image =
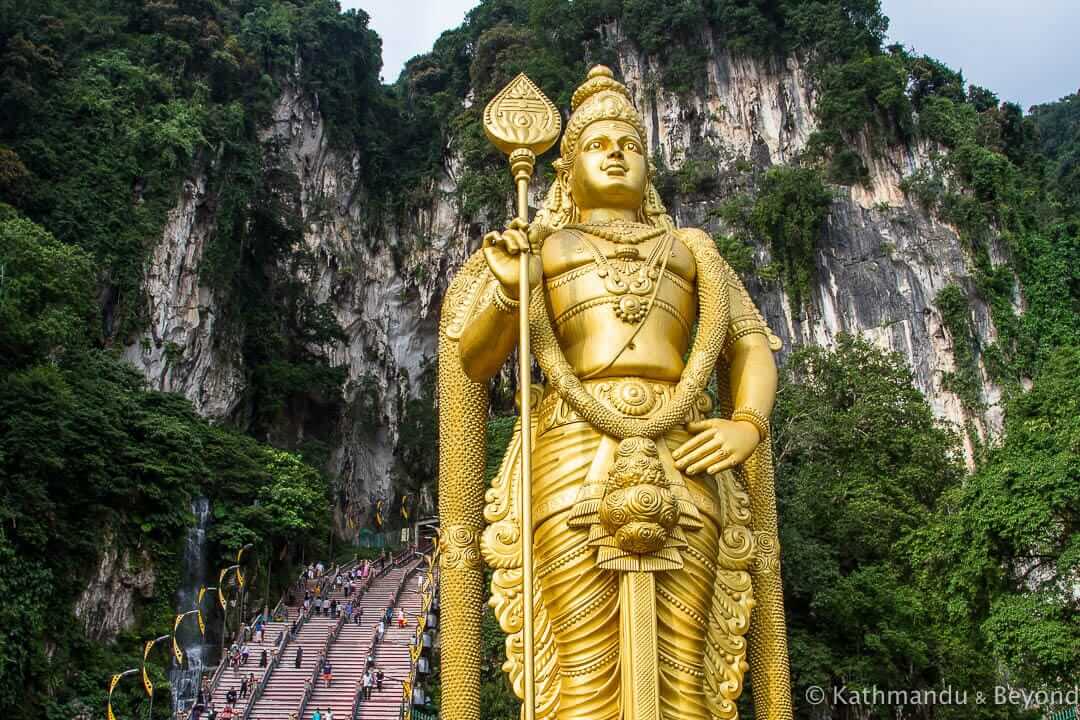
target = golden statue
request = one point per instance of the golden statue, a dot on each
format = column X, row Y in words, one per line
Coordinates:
column 654, row 553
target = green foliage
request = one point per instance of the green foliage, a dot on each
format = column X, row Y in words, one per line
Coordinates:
column 738, row 254
column 869, row 92
column 1059, row 136
column 697, row 175
column 1005, row 548
column 91, row 458
column 654, row 25
column 87, row 453
column 992, row 186
column 862, row 468
column 106, row 109
column 497, row 699
column 45, row 293
column 418, row 434
column 499, row 432
column 789, row 213
column 110, row 105
column 290, row 504
column 964, row 380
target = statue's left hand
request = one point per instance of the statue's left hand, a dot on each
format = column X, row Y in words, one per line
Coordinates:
column 717, row 445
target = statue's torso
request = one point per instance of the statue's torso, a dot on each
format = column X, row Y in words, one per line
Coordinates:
column 583, row 302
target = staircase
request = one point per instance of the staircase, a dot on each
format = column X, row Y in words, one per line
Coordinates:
column 285, row 688
column 392, row 654
column 349, row 652
column 231, row 679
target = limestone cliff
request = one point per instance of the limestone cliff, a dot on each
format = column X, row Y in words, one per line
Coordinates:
column 879, row 265
column 883, row 259
column 107, row 606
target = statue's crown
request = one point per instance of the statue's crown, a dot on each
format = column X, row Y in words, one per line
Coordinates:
column 600, row 97
column 599, row 79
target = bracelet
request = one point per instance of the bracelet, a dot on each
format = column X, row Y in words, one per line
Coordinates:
column 502, row 302
column 755, row 418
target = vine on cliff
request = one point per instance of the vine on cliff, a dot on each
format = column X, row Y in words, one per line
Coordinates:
column 787, row 214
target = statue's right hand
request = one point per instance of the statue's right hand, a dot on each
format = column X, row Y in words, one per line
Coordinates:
column 501, row 251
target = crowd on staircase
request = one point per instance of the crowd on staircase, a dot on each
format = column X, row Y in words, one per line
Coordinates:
column 336, row 648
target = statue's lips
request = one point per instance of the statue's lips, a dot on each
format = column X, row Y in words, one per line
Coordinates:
column 616, row 171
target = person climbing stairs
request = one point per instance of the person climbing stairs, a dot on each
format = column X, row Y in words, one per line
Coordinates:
column 392, row 654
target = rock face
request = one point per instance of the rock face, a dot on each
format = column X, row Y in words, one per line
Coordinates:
column 384, row 283
column 882, row 260
column 178, row 351
column 107, row 605
column 880, row 264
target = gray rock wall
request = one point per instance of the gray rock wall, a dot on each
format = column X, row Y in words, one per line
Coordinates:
column 107, row 605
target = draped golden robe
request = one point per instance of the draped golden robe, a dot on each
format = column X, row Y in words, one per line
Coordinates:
column 726, row 559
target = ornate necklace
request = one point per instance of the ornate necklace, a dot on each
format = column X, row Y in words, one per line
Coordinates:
column 636, row 292
column 621, row 232
column 712, row 329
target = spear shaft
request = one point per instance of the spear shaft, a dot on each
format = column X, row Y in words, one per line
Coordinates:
column 523, row 123
column 525, row 502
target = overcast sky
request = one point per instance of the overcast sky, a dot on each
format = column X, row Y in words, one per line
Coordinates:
column 1024, row 51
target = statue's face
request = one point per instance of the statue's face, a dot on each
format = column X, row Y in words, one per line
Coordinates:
column 609, row 170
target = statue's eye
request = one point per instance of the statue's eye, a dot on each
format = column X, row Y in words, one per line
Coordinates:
column 631, row 146
column 595, row 145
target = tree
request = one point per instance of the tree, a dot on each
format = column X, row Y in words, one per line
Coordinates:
column 1005, row 546
column 46, row 291
column 789, row 213
column 862, row 466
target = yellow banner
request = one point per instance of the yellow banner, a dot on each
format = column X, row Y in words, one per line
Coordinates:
column 112, row 686
column 239, row 577
column 176, row 646
column 202, row 592
column 146, row 677
column 202, row 625
column 221, row 588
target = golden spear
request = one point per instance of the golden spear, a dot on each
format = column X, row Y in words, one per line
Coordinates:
column 523, row 123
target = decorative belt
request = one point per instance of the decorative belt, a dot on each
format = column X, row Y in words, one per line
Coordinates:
column 633, row 397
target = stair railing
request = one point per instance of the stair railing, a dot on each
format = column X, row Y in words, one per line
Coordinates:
column 287, row 636
column 406, row 712
column 375, row 639
column 311, row 682
column 220, row 670
column 275, row 660
column 281, row 644
column 359, row 695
